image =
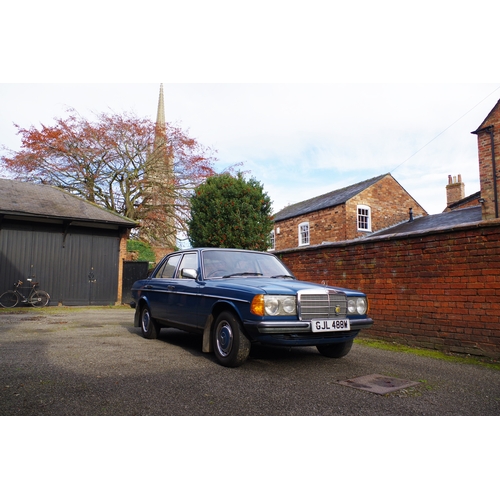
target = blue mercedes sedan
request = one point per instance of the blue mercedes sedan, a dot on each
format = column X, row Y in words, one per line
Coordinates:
column 236, row 298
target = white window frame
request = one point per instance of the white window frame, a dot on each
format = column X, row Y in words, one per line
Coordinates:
column 272, row 240
column 364, row 220
column 304, row 234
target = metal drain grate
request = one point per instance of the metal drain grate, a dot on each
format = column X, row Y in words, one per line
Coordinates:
column 378, row 384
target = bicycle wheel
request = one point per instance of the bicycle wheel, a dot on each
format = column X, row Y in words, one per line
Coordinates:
column 39, row 299
column 9, row 299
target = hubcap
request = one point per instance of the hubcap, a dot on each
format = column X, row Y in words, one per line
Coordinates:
column 224, row 338
column 145, row 320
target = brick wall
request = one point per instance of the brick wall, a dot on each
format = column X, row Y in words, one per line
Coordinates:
column 438, row 290
column 389, row 204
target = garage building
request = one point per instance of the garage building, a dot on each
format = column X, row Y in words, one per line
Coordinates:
column 73, row 248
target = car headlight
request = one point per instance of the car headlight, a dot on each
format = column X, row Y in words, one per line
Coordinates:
column 357, row 305
column 274, row 305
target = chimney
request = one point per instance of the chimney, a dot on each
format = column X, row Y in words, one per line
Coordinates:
column 455, row 190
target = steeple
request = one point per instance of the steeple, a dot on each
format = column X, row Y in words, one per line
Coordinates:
column 160, row 117
column 160, row 121
column 159, row 225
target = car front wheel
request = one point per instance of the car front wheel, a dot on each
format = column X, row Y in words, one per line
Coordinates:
column 149, row 327
column 338, row 350
column 231, row 346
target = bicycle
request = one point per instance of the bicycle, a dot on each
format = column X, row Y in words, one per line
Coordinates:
column 37, row 298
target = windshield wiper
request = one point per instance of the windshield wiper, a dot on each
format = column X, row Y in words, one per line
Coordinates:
column 284, row 276
column 242, row 274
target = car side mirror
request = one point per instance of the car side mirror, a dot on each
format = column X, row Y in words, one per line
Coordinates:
column 191, row 274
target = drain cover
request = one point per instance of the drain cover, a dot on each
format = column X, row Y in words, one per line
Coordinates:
column 378, row 384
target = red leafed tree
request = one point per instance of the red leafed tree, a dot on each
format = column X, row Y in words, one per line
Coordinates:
column 120, row 162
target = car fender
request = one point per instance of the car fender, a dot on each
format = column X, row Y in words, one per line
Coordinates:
column 217, row 308
column 138, row 307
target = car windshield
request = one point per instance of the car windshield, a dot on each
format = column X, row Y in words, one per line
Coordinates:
column 229, row 264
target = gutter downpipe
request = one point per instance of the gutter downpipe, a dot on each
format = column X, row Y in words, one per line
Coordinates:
column 489, row 128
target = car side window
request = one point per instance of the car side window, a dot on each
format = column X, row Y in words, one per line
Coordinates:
column 168, row 269
column 189, row 261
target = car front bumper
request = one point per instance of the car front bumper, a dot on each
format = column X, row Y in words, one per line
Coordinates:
column 299, row 333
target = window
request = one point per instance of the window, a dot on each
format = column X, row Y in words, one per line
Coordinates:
column 364, row 218
column 272, row 240
column 189, row 261
column 304, row 234
column 168, row 269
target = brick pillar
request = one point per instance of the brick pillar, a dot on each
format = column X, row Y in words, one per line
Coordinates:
column 122, row 257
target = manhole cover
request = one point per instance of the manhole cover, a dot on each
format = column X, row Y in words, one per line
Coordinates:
column 378, row 384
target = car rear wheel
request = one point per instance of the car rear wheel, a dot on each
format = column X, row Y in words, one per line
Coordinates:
column 338, row 350
column 149, row 327
column 231, row 346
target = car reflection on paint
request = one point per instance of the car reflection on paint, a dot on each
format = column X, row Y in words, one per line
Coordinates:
column 236, row 298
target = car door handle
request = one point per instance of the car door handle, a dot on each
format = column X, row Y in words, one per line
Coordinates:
column 170, row 287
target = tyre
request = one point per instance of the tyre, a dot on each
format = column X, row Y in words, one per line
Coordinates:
column 9, row 299
column 149, row 326
column 231, row 346
column 338, row 350
column 39, row 299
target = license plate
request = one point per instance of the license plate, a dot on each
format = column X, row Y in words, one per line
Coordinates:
column 330, row 325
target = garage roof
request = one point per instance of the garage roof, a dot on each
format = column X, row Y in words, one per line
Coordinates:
column 23, row 199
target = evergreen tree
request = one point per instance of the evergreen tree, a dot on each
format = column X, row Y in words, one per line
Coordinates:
column 230, row 212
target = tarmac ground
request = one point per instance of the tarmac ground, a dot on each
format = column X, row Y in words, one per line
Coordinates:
column 92, row 361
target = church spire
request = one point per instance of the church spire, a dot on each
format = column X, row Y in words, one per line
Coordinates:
column 160, row 121
column 160, row 117
column 159, row 225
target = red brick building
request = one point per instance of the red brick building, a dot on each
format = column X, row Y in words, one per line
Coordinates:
column 489, row 163
column 345, row 214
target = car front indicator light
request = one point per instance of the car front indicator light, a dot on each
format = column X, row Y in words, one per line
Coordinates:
column 257, row 306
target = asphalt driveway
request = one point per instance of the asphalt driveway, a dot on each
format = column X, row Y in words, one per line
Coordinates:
column 92, row 361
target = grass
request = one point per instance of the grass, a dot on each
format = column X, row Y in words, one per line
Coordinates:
column 58, row 309
column 428, row 353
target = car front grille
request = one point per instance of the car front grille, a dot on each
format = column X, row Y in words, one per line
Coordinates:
column 321, row 305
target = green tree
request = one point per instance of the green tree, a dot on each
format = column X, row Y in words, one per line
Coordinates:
column 230, row 212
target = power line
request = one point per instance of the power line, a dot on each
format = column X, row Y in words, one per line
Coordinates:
column 441, row 133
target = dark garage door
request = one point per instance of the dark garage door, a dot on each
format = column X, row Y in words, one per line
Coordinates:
column 79, row 267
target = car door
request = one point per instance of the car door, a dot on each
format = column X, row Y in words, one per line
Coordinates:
column 186, row 293
column 161, row 287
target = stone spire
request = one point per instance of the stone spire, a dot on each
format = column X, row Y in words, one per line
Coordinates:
column 160, row 121
column 159, row 228
column 160, row 117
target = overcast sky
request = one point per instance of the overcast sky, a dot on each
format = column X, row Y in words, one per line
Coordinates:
column 299, row 140
column 287, row 107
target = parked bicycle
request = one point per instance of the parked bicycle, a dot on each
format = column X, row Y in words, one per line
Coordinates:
column 36, row 298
